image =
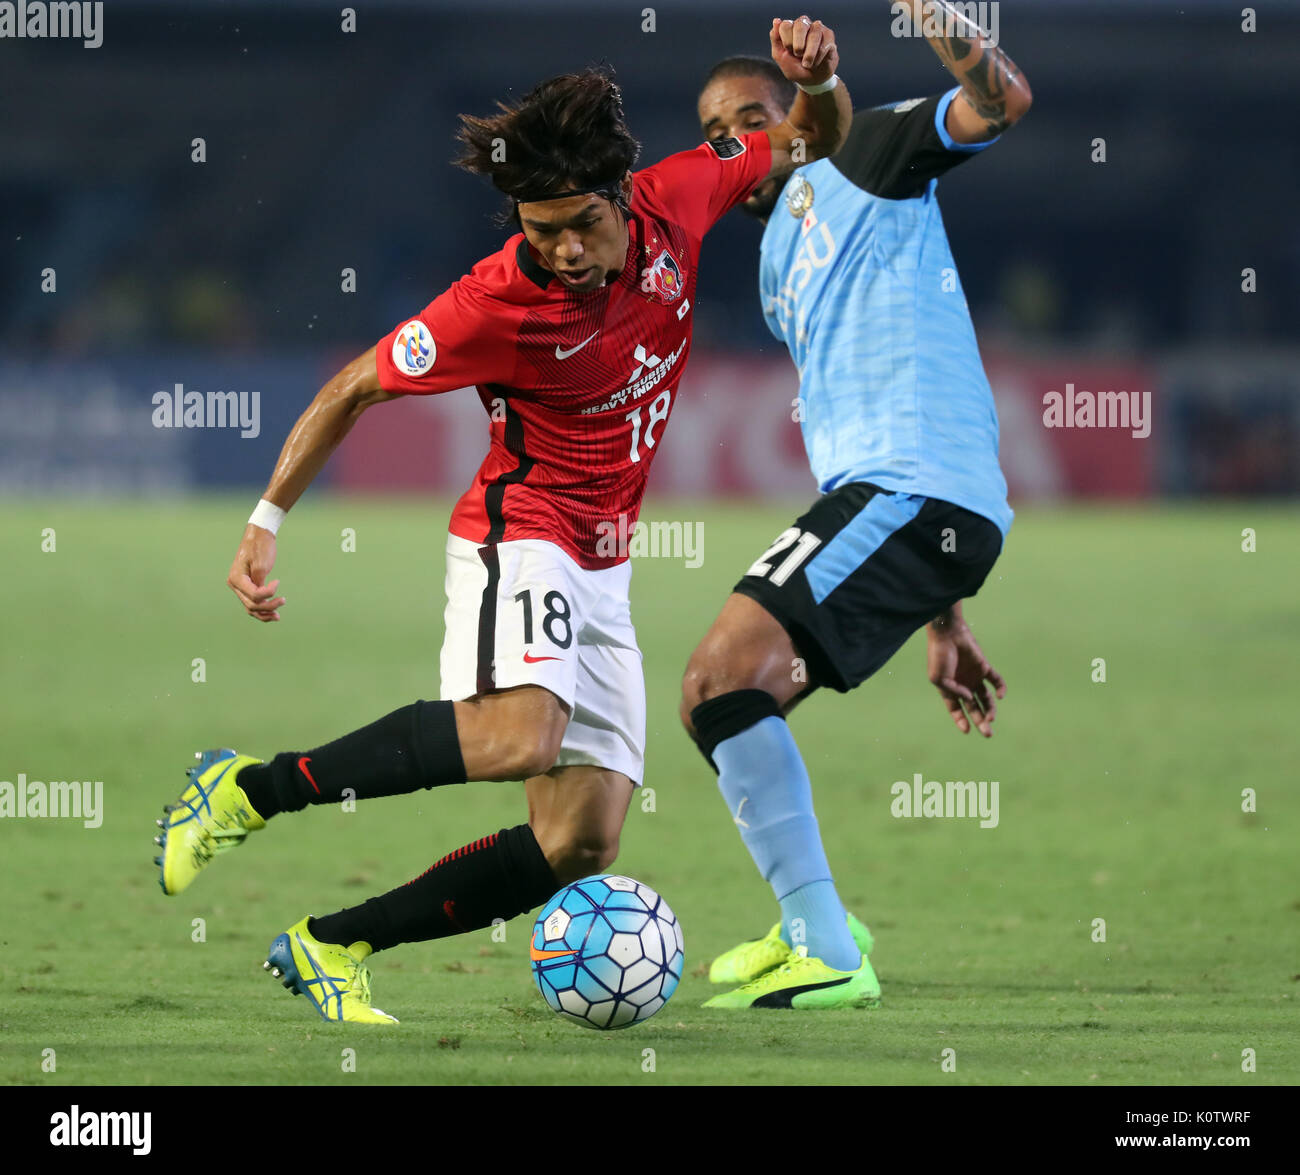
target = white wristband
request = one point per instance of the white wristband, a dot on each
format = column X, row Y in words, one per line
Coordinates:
column 823, row 88
column 267, row 515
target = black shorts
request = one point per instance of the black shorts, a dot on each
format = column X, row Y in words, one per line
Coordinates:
column 862, row 570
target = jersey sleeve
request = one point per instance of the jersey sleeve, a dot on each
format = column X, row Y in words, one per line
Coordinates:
column 698, row 188
column 463, row 338
column 895, row 151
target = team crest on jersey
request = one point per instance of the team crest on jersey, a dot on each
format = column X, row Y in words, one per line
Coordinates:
column 663, row 279
column 414, row 350
column 799, row 197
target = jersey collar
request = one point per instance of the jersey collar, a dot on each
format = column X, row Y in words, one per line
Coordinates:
column 530, row 267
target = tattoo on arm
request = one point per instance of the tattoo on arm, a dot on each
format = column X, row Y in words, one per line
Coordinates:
column 952, row 49
column 987, row 75
column 986, row 82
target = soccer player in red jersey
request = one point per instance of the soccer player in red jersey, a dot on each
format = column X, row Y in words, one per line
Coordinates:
column 575, row 335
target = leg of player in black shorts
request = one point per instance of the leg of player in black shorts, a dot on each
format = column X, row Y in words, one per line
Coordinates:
column 828, row 604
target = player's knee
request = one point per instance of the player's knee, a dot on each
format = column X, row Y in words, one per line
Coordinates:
column 532, row 752
column 684, row 709
column 700, row 683
column 519, row 751
column 514, row 736
column 573, row 856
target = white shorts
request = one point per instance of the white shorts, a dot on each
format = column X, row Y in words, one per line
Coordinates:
column 524, row 613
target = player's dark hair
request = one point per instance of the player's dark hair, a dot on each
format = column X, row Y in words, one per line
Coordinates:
column 783, row 89
column 567, row 133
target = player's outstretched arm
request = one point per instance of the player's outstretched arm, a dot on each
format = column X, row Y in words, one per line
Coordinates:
column 817, row 125
column 328, row 419
column 994, row 93
column 961, row 673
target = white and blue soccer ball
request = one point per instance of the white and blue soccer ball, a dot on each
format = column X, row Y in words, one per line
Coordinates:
column 607, row 952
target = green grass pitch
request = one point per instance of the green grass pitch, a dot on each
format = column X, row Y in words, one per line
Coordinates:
column 1119, row 801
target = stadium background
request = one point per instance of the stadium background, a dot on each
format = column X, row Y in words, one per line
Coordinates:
column 329, row 150
column 121, row 650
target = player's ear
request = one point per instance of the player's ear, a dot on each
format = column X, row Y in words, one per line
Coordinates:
column 627, row 188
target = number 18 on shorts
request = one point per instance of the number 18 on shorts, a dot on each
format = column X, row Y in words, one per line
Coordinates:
column 525, row 613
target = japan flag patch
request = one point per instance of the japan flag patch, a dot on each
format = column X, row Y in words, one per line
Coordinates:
column 414, row 350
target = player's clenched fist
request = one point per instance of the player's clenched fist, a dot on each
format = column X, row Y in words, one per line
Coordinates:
column 247, row 578
column 804, row 50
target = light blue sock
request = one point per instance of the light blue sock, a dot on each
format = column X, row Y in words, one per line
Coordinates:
column 763, row 779
column 812, row 916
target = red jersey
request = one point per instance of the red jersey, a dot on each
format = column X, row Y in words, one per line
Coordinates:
column 578, row 386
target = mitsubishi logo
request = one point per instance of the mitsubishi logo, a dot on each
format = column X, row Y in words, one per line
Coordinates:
column 642, row 362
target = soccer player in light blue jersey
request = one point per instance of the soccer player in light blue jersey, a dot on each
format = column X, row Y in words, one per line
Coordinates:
column 859, row 282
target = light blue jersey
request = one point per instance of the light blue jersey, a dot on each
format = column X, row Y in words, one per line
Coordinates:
column 858, row 281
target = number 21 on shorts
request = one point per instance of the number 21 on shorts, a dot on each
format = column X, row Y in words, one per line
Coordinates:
column 804, row 543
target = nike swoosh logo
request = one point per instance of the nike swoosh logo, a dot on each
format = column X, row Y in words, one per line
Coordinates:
column 560, row 353
column 302, row 766
column 537, row 956
column 529, row 659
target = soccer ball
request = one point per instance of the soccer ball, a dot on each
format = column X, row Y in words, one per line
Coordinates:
column 607, row 952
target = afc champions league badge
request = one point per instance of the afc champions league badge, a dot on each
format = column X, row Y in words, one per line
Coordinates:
column 799, row 196
column 414, row 350
column 663, row 280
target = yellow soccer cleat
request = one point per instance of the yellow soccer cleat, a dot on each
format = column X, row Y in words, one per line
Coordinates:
column 212, row 816
column 746, row 962
column 803, row 982
column 331, row 976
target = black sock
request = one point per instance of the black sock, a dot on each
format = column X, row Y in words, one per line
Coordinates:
column 414, row 747
column 498, row 876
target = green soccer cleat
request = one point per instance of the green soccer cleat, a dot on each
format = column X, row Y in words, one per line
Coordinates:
column 212, row 816
column 746, row 962
column 332, row 977
column 803, row 982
